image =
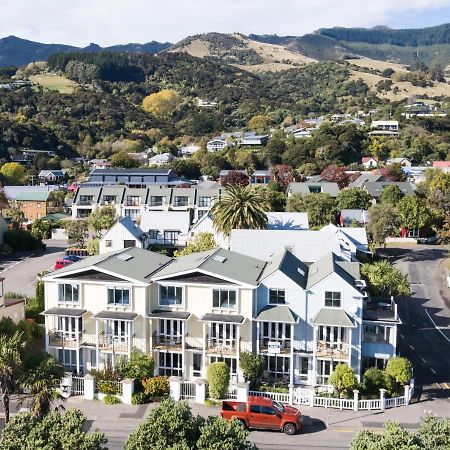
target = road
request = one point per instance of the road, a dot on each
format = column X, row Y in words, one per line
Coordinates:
column 20, row 271
column 424, row 337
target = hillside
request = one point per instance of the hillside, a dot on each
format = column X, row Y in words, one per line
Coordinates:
column 19, row 52
column 241, row 51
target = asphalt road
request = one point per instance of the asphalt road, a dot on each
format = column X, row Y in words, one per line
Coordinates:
column 21, row 270
column 424, row 337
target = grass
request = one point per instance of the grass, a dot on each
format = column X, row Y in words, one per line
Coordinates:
column 54, row 83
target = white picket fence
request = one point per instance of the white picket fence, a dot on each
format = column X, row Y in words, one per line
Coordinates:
column 277, row 396
column 188, row 390
column 77, row 385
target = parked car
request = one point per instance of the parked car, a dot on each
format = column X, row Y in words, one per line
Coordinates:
column 263, row 413
column 429, row 240
column 73, row 258
column 60, row 263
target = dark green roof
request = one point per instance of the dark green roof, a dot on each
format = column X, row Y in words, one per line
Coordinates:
column 279, row 313
column 333, row 317
column 33, row 196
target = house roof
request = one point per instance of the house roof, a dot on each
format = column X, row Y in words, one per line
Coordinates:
column 13, row 192
column 227, row 318
column 217, row 262
column 132, row 171
column 365, row 177
column 129, row 225
column 159, row 314
column 308, row 246
column 289, row 265
column 132, row 263
column 34, row 196
column 166, row 220
column 279, row 313
column 58, row 173
column 116, row 315
column 374, row 189
column 304, row 188
column 287, row 221
column 333, row 316
column 441, row 164
column 365, row 159
column 68, row 312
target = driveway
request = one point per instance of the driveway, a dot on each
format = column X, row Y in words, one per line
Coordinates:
column 21, row 270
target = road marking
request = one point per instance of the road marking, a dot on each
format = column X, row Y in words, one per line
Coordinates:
column 446, row 385
column 412, row 347
column 437, row 328
column 15, row 264
column 433, row 370
column 403, row 337
column 424, row 360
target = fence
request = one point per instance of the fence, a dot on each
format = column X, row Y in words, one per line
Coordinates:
column 188, row 390
column 277, row 396
column 232, row 392
column 77, row 385
column 110, row 386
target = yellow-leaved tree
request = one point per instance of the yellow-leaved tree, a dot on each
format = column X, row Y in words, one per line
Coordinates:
column 161, row 104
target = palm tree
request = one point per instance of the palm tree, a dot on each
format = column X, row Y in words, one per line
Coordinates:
column 41, row 383
column 241, row 207
column 385, row 279
column 10, row 365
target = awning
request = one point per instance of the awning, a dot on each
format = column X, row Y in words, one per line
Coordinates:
column 116, row 315
column 279, row 313
column 333, row 317
column 68, row 312
column 160, row 314
column 225, row 318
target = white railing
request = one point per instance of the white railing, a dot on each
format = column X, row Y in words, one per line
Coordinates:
column 302, row 396
column 77, row 385
column 232, row 392
column 330, row 402
column 369, row 404
column 395, row 402
column 117, row 384
column 277, row 396
column 187, row 390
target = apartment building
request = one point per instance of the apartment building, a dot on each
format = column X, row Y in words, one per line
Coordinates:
column 198, row 309
column 133, row 202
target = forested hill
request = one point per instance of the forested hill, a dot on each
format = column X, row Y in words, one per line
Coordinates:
column 19, row 52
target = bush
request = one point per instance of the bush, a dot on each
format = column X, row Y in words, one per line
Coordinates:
column 105, row 380
column 139, row 398
column 218, row 379
column 399, row 369
column 270, row 388
column 139, row 366
column 373, row 380
column 112, row 400
column 252, row 366
column 107, row 387
column 156, row 387
column 343, row 379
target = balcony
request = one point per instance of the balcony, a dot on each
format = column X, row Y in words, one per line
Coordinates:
column 268, row 345
column 85, row 202
column 334, row 350
column 108, row 342
column 132, row 203
column 65, row 340
column 380, row 309
column 221, row 346
column 167, row 342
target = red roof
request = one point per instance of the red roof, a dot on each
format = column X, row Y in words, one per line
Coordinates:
column 368, row 158
column 441, row 164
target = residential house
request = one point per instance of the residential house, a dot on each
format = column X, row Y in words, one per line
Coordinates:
column 302, row 133
column 97, row 163
column 309, row 187
column 13, row 309
column 162, row 159
column 353, row 241
column 349, row 216
column 443, row 165
column 384, row 128
column 204, row 103
column 190, row 312
column 369, row 162
column 404, row 162
column 217, row 144
column 261, row 177
column 374, row 188
column 52, row 176
column 123, row 234
column 188, row 150
column 251, row 140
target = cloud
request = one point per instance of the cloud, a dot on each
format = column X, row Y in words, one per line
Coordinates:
column 117, row 21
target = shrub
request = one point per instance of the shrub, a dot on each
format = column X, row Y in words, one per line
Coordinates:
column 104, row 380
column 373, row 380
column 139, row 366
column 107, row 387
column 139, row 398
column 270, row 388
column 252, row 366
column 218, row 379
column 343, row 379
column 21, row 240
column 156, row 387
column 399, row 369
column 112, row 400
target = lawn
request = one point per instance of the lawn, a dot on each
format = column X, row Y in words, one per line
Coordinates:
column 54, row 82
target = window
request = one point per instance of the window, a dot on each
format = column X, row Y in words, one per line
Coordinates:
column 109, row 198
column 153, row 234
column 196, row 364
column 277, row 296
column 83, row 213
column 108, row 243
column 224, row 299
column 170, row 328
column 324, row 369
column 170, row 295
column 333, row 299
column 156, row 200
column 204, row 201
column 275, row 331
column 118, row 296
column 315, row 189
column 230, row 362
column 267, row 410
column 255, row 409
column 133, row 200
column 170, row 364
column 67, row 326
column 201, row 213
column 86, row 199
column 133, row 214
column 376, row 333
column 69, row 293
column 277, row 366
column 68, row 358
column 171, row 237
column 302, row 368
column 181, row 201
column 129, row 243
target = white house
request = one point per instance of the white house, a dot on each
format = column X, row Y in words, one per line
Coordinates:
column 386, row 125
column 166, row 227
column 353, row 240
column 188, row 150
column 217, row 144
column 123, row 234
column 369, row 162
column 161, row 159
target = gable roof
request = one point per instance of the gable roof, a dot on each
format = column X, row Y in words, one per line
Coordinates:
column 333, row 316
column 34, row 196
column 217, row 262
column 279, row 313
column 374, row 189
column 289, row 265
column 304, row 187
column 129, row 225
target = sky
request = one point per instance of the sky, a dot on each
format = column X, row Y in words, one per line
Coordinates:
column 109, row 22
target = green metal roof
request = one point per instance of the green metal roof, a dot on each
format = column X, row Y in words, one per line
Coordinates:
column 333, row 317
column 34, row 196
column 56, row 217
column 279, row 313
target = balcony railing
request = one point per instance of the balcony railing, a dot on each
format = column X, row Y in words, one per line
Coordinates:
column 85, row 202
column 221, row 346
column 63, row 339
column 335, row 350
column 109, row 342
column 269, row 345
column 380, row 309
column 167, row 342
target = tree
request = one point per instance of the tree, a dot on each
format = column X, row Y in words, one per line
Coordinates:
column 241, row 207
column 139, row 366
column 414, row 212
column 41, row 382
column 385, row 279
column 393, row 172
column 391, row 194
column 252, row 366
column 321, row 208
column 201, row 243
column 399, row 369
column 284, row 175
column 353, row 198
column 161, row 104
column 434, row 432
column 17, row 217
column 384, row 222
column 40, row 229
column 55, row 430
column 373, row 380
column 259, row 124
column 343, row 379
column 93, row 246
column 102, row 219
column 123, row 159
column 10, row 366
column 14, row 173
column 336, row 174
column 77, row 231
column 218, row 379
column 235, row 178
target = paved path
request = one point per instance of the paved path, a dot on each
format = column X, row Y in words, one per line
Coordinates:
column 21, row 270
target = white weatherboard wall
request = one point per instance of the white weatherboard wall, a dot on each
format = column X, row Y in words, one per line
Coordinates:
column 117, row 234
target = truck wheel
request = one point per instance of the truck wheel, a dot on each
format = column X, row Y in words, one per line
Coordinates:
column 242, row 424
column 290, row 429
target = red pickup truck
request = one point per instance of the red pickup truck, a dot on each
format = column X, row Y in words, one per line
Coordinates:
column 263, row 413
